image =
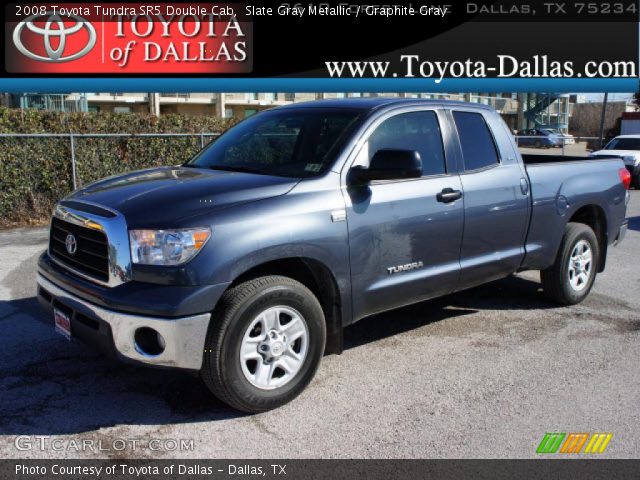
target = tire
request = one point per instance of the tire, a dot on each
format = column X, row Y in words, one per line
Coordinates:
column 537, row 144
column 248, row 317
column 566, row 283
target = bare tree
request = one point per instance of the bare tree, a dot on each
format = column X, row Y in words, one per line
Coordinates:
column 585, row 121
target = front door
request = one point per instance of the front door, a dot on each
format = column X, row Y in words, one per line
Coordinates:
column 404, row 239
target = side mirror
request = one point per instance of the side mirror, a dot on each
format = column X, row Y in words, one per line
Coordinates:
column 389, row 165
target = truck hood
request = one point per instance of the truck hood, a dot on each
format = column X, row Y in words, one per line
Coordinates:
column 161, row 196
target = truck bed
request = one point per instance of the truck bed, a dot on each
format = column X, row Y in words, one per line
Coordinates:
column 536, row 159
column 561, row 183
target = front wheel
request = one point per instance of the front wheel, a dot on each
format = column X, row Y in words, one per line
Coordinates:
column 265, row 344
column 569, row 280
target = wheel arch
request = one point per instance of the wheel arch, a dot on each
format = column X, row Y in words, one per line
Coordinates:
column 594, row 217
column 317, row 277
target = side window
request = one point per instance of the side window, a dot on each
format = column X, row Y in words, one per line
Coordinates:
column 478, row 147
column 419, row 131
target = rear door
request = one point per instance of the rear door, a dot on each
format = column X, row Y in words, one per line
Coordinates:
column 496, row 202
column 404, row 240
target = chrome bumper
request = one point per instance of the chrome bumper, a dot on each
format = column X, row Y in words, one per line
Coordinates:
column 184, row 337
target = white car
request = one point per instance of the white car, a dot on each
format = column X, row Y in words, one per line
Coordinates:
column 628, row 148
column 566, row 138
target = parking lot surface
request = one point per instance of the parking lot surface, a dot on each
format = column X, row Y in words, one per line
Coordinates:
column 483, row 373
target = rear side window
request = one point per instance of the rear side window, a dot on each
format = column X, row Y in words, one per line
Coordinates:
column 419, row 131
column 478, row 147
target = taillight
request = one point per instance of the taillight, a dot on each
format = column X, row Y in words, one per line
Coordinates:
column 625, row 177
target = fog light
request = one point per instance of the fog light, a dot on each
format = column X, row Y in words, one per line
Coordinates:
column 148, row 342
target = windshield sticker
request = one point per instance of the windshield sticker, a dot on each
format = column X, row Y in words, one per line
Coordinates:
column 313, row 167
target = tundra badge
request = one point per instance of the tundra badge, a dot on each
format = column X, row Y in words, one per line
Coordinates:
column 405, row 268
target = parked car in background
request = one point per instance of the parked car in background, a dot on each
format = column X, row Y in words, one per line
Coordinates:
column 626, row 147
column 567, row 139
column 539, row 138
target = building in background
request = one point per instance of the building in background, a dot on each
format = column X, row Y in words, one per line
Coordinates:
column 544, row 110
column 630, row 124
column 520, row 111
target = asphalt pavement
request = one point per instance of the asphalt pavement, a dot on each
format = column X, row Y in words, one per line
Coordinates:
column 483, row 373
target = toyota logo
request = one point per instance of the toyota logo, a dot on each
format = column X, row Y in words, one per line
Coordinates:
column 71, row 243
column 54, row 55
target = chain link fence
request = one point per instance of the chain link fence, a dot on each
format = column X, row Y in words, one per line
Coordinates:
column 37, row 169
column 195, row 142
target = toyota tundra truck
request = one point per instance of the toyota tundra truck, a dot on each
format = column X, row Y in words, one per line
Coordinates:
column 245, row 264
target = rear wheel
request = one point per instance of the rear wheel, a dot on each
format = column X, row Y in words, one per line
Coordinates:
column 569, row 280
column 265, row 344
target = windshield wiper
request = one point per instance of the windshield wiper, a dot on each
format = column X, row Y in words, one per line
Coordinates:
column 238, row 168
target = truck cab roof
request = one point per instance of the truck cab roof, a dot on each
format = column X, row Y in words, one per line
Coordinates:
column 376, row 103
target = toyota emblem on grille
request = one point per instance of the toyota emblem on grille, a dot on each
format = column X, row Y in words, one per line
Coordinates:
column 54, row 26
column 71, row 243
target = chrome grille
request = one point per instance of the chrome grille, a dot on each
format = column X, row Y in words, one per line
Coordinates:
column 92, row 249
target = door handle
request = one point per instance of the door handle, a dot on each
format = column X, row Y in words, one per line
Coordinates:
column 449, row 195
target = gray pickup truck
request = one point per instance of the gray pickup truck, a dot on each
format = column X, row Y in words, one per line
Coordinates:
column 246, row 263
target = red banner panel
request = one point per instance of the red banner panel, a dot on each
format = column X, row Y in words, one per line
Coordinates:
column 136, row 38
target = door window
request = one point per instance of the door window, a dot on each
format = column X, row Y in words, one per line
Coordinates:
column 419, row 131
column 478, row 147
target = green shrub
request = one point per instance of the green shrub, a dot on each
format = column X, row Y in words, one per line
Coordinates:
column 36, row 172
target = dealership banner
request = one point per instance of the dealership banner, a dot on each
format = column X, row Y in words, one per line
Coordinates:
column 482, row 45
column 136, row 38
column 318, row 469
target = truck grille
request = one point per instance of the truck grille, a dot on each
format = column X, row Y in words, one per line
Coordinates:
column 92, row 253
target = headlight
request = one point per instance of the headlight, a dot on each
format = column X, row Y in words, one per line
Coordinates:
column 167, row 247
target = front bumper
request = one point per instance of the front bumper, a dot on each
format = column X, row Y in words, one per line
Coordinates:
column 137, row 297
column 113, row 332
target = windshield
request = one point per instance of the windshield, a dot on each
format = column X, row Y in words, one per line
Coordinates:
column 289, row 143
column 624, row 144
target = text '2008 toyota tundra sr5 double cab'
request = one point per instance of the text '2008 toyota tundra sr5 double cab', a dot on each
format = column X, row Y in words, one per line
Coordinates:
column 246, row 263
